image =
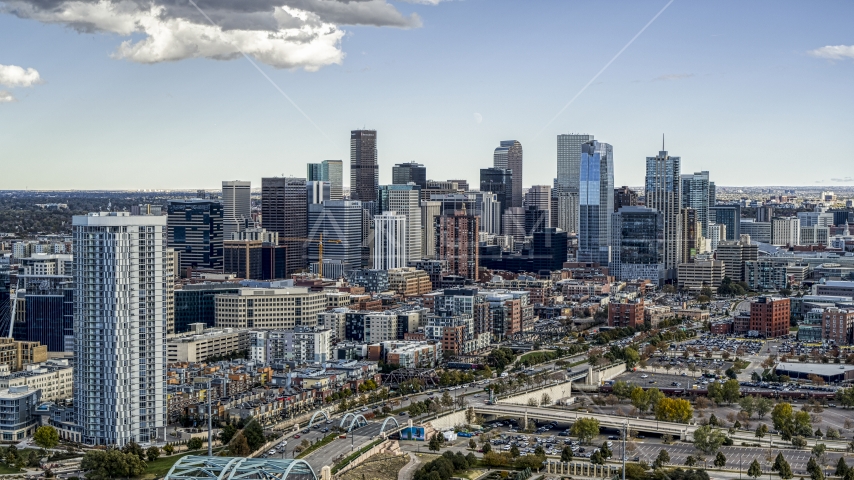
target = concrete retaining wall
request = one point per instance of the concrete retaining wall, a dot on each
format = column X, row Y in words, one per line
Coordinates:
column 560, row 392
column 449, row 421
column 596, row 377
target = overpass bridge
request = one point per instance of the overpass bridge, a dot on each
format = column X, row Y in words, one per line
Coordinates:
column 677, row 430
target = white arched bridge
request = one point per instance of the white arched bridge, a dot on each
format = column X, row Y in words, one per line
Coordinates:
column 193, row 467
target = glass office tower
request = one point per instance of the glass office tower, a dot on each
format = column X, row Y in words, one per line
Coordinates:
column 596, row 202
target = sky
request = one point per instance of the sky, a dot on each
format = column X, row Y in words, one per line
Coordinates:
column 169, row 94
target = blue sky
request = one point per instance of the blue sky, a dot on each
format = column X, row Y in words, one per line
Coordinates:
column 732, row 85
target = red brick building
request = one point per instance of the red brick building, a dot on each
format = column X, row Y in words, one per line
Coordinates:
column 453, row 339
column 770, row 316
column 456, row 242
column 837, row 325
column 626, row 314
column 721, row 328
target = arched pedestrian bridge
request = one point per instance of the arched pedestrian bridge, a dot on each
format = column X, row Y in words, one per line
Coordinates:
column 194, row 467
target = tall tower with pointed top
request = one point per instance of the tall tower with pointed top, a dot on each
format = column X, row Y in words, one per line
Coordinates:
column 664, row 193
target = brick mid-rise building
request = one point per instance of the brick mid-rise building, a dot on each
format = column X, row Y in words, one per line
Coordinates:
column 626, row 314
column 837, row 325
column 769, row 316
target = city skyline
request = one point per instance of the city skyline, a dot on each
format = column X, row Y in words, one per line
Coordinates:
column 113, row 110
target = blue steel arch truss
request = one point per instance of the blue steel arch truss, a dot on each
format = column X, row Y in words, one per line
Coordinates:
column 321, row 411
column 194, row 467
column 382, row 429
column 358, row 421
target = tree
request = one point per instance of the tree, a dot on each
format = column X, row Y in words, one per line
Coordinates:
column 674, row 410
column 153, row 453
column 597, row 458
column 662, row 459
column 546, row 399
column 566, row 454
column 799, row 442
column 841, row 467
column 514, row 451
column 814, row 470
column 731, row 391
column 778, row 462
column 755, row 470
column 585, row 429
column 169, row 449
column 486, row 448
column 472, row 444
column 254, row 435
column 819, row 451
column 761, row 430
column 435, row 444
column 782, row 416
column 720, row 460
column 748, row 404
column 690, row 460
column 196, row 443
column 622, row 389
column 707, row 439
column 763, row 406
column 135, row 449
column 785, row 470
column 226, row 433
column 606, row 451
column 238, row 446
column 112, row 463
column 46, row 437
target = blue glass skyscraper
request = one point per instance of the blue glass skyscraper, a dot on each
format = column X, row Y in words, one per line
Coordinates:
column 596, row 202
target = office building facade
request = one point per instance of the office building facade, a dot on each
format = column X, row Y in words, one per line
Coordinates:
column 596, row 202
column 404, row 173
column 457, row 243
column 569, row 161
column 236, row 206
column 729, row 215
column 364, row 169
column 664, row 193
column 498, row 181
column 405, row 200
column 340, row 224
column 695, row 194
column 638, row 244
column 120, row 285
column 284, row 210
column 195, row 231
column 509, row 156
column 390, row 241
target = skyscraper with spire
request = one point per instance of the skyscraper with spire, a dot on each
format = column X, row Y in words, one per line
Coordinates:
column 664, row 193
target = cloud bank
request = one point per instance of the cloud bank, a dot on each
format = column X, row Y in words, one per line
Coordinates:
column 281, row 33
column 6, row 97
column 834, row 52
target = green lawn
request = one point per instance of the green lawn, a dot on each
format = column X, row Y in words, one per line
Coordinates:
column 6, row 469
column 161, row 466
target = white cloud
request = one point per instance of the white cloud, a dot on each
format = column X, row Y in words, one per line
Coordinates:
column 14, row 76
column 673, row 76
column 282, row 33
column 834, row 52
column 6, row 97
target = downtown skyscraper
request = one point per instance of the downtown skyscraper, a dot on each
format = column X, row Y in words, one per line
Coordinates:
column 284, row 210
column 236, row 207
column 696, row 194
column 331, row 171
column 664, row 193
column 509, row 155
column 364, row 169
column 596, row 202
column 120, row 281
column 569, row 161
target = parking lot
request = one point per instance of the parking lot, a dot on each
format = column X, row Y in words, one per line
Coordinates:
column 721, row 343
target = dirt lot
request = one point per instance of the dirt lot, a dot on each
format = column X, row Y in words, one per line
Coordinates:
column 379, row 467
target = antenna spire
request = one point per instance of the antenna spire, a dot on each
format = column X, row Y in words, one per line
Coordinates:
column 662, row 142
